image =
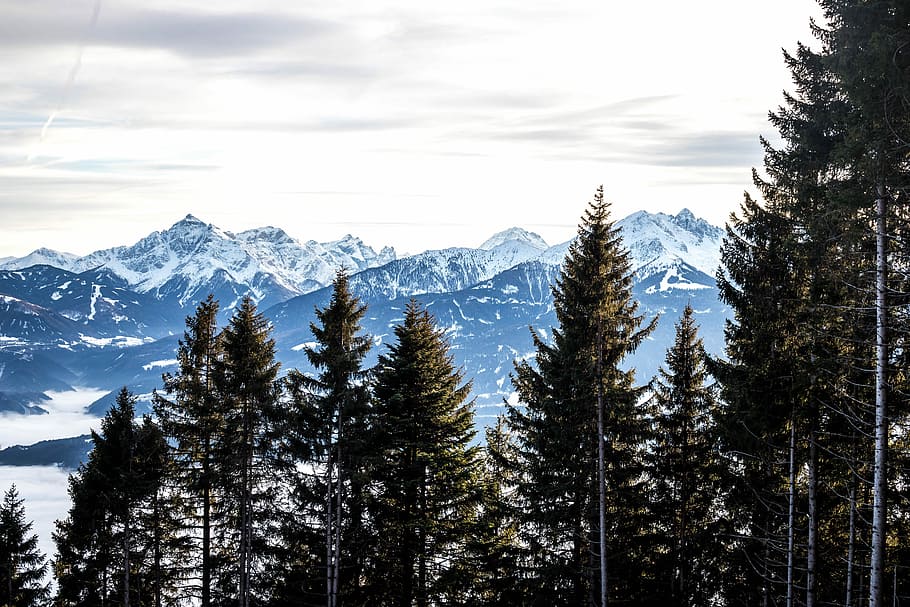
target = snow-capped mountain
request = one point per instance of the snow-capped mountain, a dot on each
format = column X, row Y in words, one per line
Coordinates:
column 659, row 242
column 517, row 237
column 42, row 256
column 671, row 245
column 65, row 307
column 191, row 259
column 447, row 270
column 485, row 298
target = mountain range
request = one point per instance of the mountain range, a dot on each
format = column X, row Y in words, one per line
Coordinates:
column 114, row 317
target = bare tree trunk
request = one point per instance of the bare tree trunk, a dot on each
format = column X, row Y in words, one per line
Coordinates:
column 206, row 526
column 791, row 521
column 601, row 476
column 877, row 565
column 126, row 522
column 422, row 598
column 246, row 517
column 337, row 564
column 812, row 544
column 126, row 563
column 851, row 544
column 157, row 548
column 329, row 543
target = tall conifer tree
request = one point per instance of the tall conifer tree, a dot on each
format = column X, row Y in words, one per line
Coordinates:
column 329, row 435
column 99, row 552
column 246, row 379
column 425, row 473
column 22, row 565
column 193, row 417
column 576, row 383
column 685, row 475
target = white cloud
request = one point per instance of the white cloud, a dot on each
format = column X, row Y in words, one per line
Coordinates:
column 480, row 114
column 66, row 417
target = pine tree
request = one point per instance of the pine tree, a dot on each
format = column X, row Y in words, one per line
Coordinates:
column 757, row 381
column 425, row 472
column 330, row 437
column 194, row 418
column 246, row 380
column 834, row 192
column 99, row 555
column 493, row 548
column 576, row 386
column 868, row 48
column 685, row 475
column 22, row 565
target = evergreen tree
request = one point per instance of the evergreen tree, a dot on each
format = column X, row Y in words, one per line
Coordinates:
column 810, row 337
column 22, row 565
column 868, row 48
column 685, row 475
column 329, row 436
column 493, row 548
column 576, row 386
column 757, row 380
column 424, row 475
column 193, row 418
column 246, row 380
column 99, row 555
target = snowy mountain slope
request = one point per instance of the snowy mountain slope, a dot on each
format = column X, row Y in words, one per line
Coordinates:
column 446, row 270
column 42, row 256
column 191, row 259
column 98, row 302
column 658, row 242
column 26, row 373
column 24, row 323
column 516, row 235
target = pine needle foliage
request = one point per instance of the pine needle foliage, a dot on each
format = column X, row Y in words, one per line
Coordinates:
column 556, row 430
column 22, row 565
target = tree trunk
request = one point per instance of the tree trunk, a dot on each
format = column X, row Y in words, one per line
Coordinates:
column 877, row 565
column 246, row 507
column 791, row 520
column 329, row 564
column 206, row 526
column 851, row 544
column 601, row 480
column 126, row 528
column 422, row 598
column 157, row 547
column 337, row 564
column 812, row 544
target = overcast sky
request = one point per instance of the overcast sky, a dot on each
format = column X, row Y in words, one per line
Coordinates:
column 402, row 122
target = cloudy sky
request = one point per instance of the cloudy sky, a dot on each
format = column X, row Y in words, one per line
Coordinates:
column 402, row 122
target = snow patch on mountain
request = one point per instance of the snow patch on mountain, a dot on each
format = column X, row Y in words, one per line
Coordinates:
column 672, row 279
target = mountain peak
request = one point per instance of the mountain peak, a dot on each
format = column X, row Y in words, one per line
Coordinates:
column 515, row 234
column 659, row 240
column 688, row 221
column 267, row 233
